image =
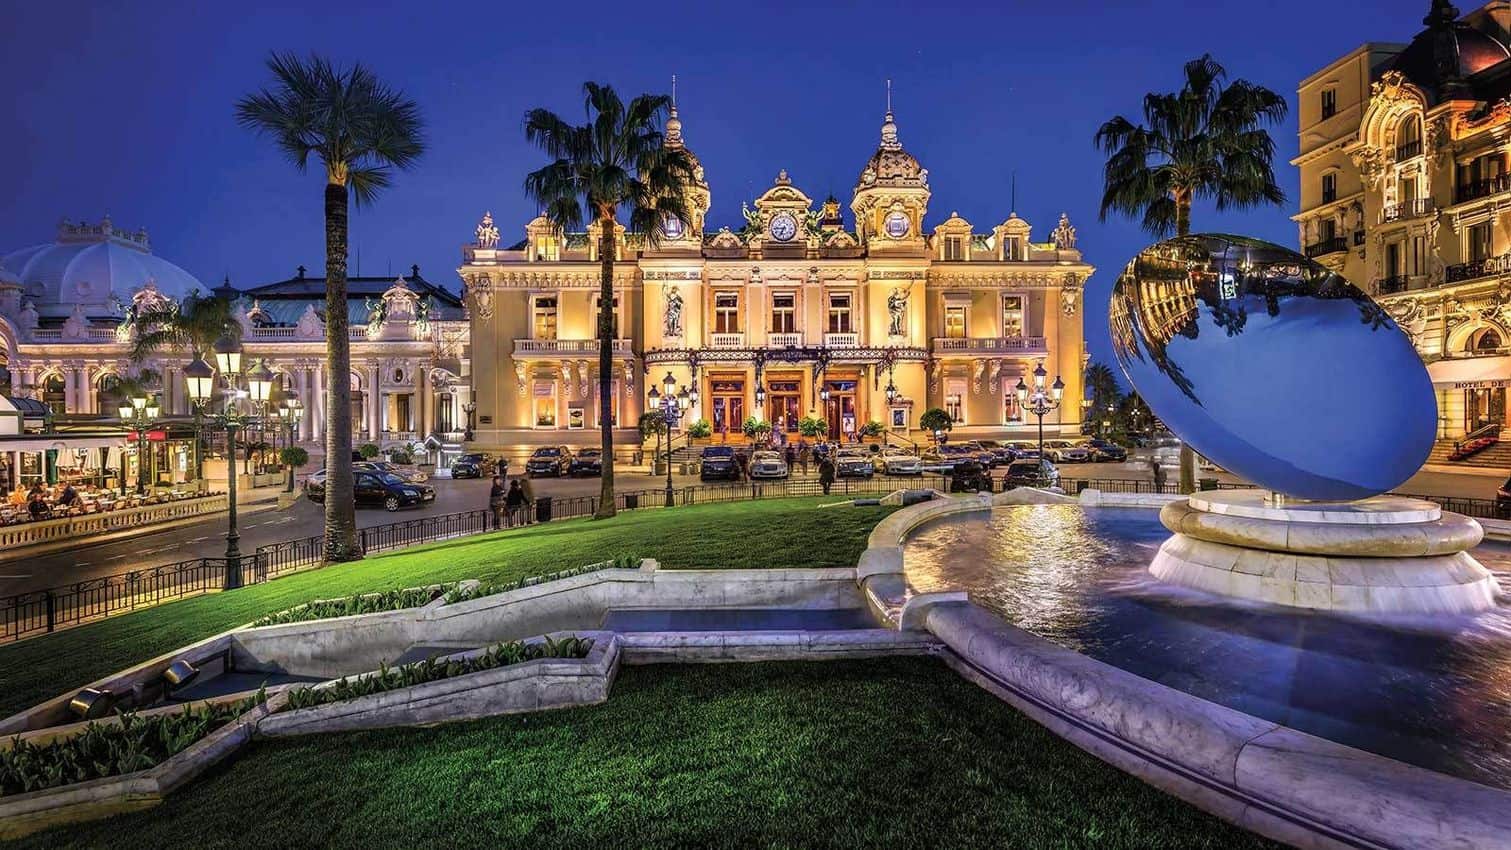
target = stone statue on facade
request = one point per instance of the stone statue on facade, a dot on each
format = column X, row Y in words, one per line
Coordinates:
column 897, row 307
column 672, row 315
column 487, row 233
column 1064, row 234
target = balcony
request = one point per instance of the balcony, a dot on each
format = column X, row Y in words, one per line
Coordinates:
column 1327, row 246
column 1408, row 150
column 1408, row 210
column 1390, row 285
column 546, row 348
column 1477, row 269
column 726, row 340
column 847, row 340
column 991, row 345
column 1481, row 188
column 776, row 340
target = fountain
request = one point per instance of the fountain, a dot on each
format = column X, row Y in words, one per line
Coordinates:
column 1286, row 374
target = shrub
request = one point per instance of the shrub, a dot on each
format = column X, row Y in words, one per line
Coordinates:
column 755, row 428
column 872, row 429
column 368, row 451
column 364, row 603
column 294, row 457
column 936, row 419
column 112, row 749
column 812, row 426
column 700, row 429
column 433, row 669
column 460, row 594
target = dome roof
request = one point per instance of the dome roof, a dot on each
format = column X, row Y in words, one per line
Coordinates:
column 1447, row 53
column 891, row 165
column 94, row 266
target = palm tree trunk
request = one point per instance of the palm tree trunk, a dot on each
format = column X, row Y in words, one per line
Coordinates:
column 340, row 501
column 1187, row 455
column 606, row 366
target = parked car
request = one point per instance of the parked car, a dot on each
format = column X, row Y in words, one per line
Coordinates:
column 718, row 464
column 1002, row 453
column 413, row 476
column 1064, row 451
column 1033, row 472
column 1023, row 449
column 854, row 463
column 895, row 461
column 970, row 475
column 380, row 489
column 549, row 460
column 766, row 464
column 943, row 458
column 1106, row 450
column 981, row 453
column 588, row 462
column 477, row 465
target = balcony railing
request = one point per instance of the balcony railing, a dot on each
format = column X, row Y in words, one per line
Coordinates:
column 1477, row 269
column 1407, row 210
column 992, row 345
column 549, row 347
column 776, row 340
column 1393, row 283
column 726, row 340
column 1327, row 246
column 847, row 340
column 1482, row 188
column 1409, row 150
column 92, row 334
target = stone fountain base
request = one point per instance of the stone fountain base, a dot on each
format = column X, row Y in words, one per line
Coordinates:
column 1385, row 554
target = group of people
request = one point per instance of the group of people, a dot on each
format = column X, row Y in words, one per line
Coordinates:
column 41, row 501
column 512, row 504
column 800, row 456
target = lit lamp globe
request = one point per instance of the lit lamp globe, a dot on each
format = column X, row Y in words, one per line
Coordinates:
column 1287, row 375
column 200, row 378
column 228, row 357
column 260, row 383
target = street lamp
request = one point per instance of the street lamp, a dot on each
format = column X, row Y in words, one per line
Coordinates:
column 1039, row 403
column 469, row 408
column 139, row 411
column 670, row 404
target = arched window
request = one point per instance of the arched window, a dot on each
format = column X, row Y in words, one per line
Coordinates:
column 1488, row 339
column 53, row 394
column 1409, row 138
column 107, row 392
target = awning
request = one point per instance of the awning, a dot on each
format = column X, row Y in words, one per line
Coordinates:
column 61, row 442
column 1467, row 373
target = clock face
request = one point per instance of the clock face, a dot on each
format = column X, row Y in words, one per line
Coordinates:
column 897, row 225
column 783, row 227
column 671, row 227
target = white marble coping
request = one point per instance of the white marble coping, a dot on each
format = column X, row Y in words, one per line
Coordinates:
column 1376, row 510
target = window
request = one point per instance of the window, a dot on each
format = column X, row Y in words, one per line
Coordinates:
column 1011, row 412
column 54, row 396
column 954, row 321
column 1329, row 187
column 954, row 400
column 783, row 313
column 1327, row 229
column 839, row 313
column 1415, row 255
column 726, row 312
column 444, row 415
column 1013, row 250
column 544, row 326
column 547, row 248
column 1488, row 339
column 1012, row 315
column 107, row 396
column 1481, row 176
column 544, row 397
column 1393, row 259
column 1329, row 103
column 1409, row 138
column 954, row 248
column 1408, row 191
column 613, row 318
column 1478, row 247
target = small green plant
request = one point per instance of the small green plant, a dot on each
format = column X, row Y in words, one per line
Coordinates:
column 812, row 426
column 755, row 428
column 478, row 591
column 364, row 603
column 368, row 451
column 294, row 457
column 872, row 428
column 651, row 424
column 700, row 429
column 404, row 454
column 936, row 420
column 432, row 669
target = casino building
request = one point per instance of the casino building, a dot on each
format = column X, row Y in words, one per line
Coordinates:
column 799, row 313
column 1405, row 191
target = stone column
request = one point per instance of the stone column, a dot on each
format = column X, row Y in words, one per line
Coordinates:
column 375, row 404
column 70, row 390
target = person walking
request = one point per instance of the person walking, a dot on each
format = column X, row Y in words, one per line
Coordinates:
column 497, row 501
column 1159, row 474
column 527, row 491
column 514, row 502
column 804, row 454
column 791, row 456
column 826, row 473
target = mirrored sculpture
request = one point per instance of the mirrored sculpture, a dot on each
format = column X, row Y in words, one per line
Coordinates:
column 1275, row 368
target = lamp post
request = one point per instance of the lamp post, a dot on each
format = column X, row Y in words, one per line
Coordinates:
column 200, row 376
column 671, row 404
column 1038, row 402
column 290, row 412
column 469, row 408
column 140, row 412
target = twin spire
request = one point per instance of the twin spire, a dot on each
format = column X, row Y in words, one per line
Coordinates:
column 889, row 140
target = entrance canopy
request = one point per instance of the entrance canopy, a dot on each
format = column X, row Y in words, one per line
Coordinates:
column 1467, row 373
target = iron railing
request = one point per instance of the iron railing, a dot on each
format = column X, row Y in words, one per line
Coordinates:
column 1478, row 268
column 1331, row 245
column 1471, row 189
column 1391, row 284
column 1415, row 208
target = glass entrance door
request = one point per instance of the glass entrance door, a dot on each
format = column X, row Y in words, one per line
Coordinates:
column 728, row 407
column 841, row 411
column 1484, row 407
column 782, row 406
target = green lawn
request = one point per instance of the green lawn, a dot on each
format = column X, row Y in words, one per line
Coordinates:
column 896, row 753
column 765, row 534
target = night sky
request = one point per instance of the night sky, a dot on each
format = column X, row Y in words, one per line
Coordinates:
column 127, row 109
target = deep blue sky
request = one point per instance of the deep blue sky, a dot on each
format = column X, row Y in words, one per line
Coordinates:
column 127, row 109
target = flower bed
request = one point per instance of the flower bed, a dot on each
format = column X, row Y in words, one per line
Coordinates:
column 433, row 669
column 132, row 744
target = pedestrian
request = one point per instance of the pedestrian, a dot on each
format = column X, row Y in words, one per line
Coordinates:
column 1159, row 475
column 826, row 473
column 742, row 465
column 497, row 495
column 791, row 456
column 527, row 491
column 804, row 454
column 514, row 502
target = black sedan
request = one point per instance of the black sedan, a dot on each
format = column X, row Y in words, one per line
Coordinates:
column 588, row 462
column 549, row 460
column 476, row 466
column 379, row 489
column 718, row 463
column 1106, row 450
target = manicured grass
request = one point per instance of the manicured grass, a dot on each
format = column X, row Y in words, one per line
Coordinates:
column 898, row 753
column 765, row 534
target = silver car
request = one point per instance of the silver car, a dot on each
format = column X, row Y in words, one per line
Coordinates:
column 899, row 462
column 1064, row 451
column 768, row 465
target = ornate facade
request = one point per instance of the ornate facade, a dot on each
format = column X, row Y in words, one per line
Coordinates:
column 1405, row 191
column 763, row 320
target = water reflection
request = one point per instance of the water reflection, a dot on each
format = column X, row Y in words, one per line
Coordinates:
column 1272, row 366
column 1433, row 692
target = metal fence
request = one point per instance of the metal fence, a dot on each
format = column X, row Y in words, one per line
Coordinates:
column 38, row 612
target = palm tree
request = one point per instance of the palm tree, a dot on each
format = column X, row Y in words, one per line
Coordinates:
column 1208, row 142
column 615, row 164
column 359, row 130
column 194, row 326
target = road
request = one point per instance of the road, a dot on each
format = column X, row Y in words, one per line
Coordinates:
column 304, row 519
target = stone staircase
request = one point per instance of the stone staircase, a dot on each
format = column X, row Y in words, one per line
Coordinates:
column 1497, row 456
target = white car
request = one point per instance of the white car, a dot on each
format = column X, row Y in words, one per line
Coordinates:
column 1064, row 451
column 894, row 461
column 768, row 465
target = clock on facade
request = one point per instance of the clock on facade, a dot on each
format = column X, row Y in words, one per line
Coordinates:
column 783, row 227
column 671, row 227
column 897, row 225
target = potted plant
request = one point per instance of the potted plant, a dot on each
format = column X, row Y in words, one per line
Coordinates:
column 812, row 426
column 936, row 421
column 292, row 458
column 700, row 431
column 368, row 451
column 871, row 431
column 755, row 429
